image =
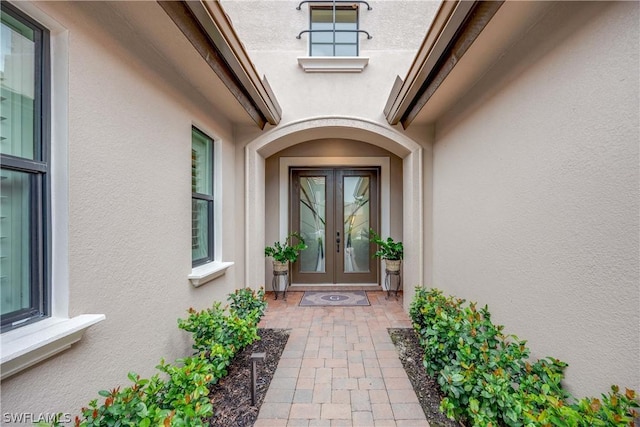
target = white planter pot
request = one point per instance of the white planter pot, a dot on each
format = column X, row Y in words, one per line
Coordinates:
column 392, row 264
column 280, row 266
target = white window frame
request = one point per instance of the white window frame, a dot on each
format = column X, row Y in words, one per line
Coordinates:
column 332, row 64
column 205, row 273
column 25, row 346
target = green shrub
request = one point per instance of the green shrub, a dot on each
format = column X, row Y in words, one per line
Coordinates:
column 615, row 409
column 182, row 399
column 203, row 325
column 136, row 405
column 487, row 377
column 247, row 303
column 434, row 318
column 187, row 390
column 235, row 329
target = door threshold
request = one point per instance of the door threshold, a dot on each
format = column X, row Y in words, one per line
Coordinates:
column 334, row 287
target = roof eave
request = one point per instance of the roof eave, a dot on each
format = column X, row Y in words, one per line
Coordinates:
column 454, row 29
column 209, row 30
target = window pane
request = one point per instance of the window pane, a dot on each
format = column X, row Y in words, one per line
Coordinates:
column 347, row 16
column 323, row 37
column 346, row 50
column 321, row 15
column 201, row 163
column 15, row 239
column 322, row 26
column 322, row 50
column 18, row 88
column 200, row 214
column 351, row 38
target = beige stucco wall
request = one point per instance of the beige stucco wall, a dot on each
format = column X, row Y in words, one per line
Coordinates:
column 341, row 105
column 535, row 193
column 269, row 28
column 334, row 148
column 129, row 143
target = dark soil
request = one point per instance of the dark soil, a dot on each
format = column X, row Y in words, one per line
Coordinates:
column 426, row 387
column 231, row 396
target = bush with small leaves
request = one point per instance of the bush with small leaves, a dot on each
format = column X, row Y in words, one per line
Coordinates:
column 136, row 405
column 247, row 303
column 614, row 409
column 182, row 399
column 488, row 379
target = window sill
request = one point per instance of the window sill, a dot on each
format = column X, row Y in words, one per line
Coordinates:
column 333, row 64
column 31, row 344
column 205, row 273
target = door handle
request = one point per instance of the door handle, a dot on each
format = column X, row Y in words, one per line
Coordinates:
column 338, row 242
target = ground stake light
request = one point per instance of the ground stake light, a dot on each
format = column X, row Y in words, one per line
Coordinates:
column 255, row 357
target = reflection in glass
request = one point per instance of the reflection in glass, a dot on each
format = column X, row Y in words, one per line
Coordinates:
column 201, row 163
column 16, row 234
column 200, row 210
column 312, row 223
column 17, row 87
column 356, row 224
column 334, row 32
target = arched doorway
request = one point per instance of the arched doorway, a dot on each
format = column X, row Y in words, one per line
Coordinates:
column 291, row 134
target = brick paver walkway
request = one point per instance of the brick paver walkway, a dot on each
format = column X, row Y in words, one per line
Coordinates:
column 339, row 367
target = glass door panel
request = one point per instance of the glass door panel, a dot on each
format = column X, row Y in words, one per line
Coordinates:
column 313, row 214
column 312, row 203
column 333, row 210
column 355, row 205
column 357, row 192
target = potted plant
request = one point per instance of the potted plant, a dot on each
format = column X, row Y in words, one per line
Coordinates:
column 389, row 250
column 283, row 254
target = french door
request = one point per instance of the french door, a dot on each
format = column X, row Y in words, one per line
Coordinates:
column 333, row 210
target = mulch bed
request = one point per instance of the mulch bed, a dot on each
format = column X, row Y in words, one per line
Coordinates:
column 231, row 396
column 426, row 387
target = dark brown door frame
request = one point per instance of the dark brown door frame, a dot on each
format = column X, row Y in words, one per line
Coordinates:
column 335, row 242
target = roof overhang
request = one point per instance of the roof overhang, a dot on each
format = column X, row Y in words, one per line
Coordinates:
column 207, row 27
column 464, row 41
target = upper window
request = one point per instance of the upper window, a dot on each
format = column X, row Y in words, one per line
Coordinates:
column 334, row 31
column 24, row 169
column 201, row 198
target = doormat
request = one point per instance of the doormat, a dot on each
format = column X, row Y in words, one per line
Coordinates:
column 334, row 298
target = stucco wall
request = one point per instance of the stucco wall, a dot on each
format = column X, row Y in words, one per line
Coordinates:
column 336, row 148
column 129, row 229
column 269, row 29
column 536, row 193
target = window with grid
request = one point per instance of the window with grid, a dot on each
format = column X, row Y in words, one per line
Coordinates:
column 333, row 31
column 202, row 198
column 24, row 169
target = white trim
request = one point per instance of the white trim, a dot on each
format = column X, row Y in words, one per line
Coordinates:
column 356, row 128
column 31, row 344
column 217, row 201
column 333, row 64
column 207, row 272
column 27, row 345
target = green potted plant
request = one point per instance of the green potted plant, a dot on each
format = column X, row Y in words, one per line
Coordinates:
column 389, row 250
column 283, row 254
